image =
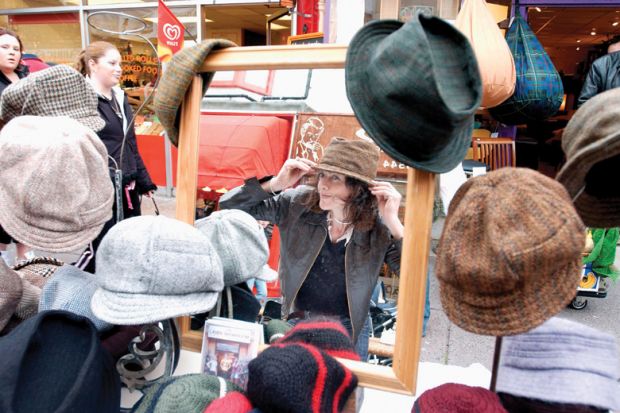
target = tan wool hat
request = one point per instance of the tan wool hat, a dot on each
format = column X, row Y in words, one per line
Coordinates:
column 355, row 158
column 509, row 257
column 591, row 143
column 56, row 91
column 56, row 192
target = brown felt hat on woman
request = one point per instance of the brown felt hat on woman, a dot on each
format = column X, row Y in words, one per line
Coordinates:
column 509, row 257
column 357, row 159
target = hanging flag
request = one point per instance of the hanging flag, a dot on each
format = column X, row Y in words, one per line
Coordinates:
column 170, row 32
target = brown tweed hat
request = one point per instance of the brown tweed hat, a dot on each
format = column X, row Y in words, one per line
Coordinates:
column 38, row 270
column 60, row 193
column 10, row 293
column 177, row 77
column 509, row 257
column 591, row 143
column 357, row 159
column 55, row 91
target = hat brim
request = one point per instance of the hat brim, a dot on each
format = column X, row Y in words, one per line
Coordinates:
column 519, row 311
column 559, row 386
column 595, row 212
column 131, row 309
column 45, row 240
column 338, row 170
column 95, row 122
column 356, row 79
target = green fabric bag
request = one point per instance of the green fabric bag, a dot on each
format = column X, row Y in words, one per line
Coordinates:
column 603, row 254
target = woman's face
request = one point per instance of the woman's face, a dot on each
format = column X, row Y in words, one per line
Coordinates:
column 10, row 53
column 107, row 69
column 333, row 191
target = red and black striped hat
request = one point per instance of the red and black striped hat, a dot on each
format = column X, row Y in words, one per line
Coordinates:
column 298, row 377
column 325, row 333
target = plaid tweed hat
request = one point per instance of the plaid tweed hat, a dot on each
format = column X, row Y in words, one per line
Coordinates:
column 140, row 263
column 427, row 98
column 56, row 91
column 71, row 289
column 458, row 398
column 591, row 143
column 190, row 393
column 60, row 194
column 357, row 159
column 564, row 362
column 38, row 270
column 175, row 81
column 509, row 256
column 298, row 377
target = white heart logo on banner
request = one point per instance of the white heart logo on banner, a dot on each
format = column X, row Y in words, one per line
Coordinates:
column 172, row 31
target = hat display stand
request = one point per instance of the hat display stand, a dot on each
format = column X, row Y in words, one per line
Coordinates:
column 137, row 364
column 402, row 376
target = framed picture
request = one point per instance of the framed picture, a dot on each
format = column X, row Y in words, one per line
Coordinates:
column 314, row 131
column 307, row 38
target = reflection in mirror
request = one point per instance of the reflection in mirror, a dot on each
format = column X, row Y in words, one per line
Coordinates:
column 253, row 121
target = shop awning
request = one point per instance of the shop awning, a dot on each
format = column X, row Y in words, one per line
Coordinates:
column 235, row 147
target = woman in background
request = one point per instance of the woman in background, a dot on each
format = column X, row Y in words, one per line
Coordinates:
column 11, row 70
column 100, row 62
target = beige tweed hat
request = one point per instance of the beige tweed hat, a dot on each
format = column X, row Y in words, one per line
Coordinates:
column 56, row 192
column 55, row 91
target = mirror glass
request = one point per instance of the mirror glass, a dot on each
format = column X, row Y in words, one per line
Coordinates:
column 250, row 123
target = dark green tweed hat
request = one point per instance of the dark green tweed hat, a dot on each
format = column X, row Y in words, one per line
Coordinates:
column 177, row 78
column 414, row 88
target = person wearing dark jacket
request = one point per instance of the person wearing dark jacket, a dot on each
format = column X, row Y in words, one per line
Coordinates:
column 334, row 237
column 11, row 70
column 603, row 75
column 100, row 63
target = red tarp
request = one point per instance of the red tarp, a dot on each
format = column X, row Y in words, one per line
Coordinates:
column 234, row 148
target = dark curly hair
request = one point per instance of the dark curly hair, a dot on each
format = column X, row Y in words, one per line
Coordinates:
column 361, row 207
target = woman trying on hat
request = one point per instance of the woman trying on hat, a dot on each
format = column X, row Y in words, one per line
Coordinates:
column 11, row 70
column 335, row 237
column 100, row 62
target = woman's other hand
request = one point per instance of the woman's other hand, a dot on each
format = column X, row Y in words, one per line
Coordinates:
column 149, row 194
column 290, row 173
column 388, row 201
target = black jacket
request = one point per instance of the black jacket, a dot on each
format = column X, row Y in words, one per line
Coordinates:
column 4, row 81
column 603, row 75
column 112, row 136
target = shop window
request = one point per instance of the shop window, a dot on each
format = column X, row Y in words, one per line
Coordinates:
column 139, row 60
column 52, row 37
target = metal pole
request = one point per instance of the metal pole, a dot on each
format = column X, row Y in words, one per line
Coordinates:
column 168, row 159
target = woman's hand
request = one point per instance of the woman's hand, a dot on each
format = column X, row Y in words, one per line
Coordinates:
column 290, row 173
column 388, row 200
column 149, row 194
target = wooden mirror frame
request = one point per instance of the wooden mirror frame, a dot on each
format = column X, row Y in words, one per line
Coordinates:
column 402, row 377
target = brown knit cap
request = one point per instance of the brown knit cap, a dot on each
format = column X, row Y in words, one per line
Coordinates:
column 509, row 257
column 355, row 158
column 591, row 143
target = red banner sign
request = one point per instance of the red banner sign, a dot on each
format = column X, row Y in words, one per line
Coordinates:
column 170, row 32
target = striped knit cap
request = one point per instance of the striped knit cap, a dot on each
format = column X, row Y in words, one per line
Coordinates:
column 324, row 333
column 298, row 378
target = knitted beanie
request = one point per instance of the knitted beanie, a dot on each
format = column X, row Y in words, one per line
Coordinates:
column 458, row 398
column 234, row 402
column 325, row 333
column 298, row 378
column 276, row 329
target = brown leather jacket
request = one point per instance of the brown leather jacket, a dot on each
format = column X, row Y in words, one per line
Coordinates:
column 302, row 234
